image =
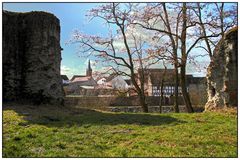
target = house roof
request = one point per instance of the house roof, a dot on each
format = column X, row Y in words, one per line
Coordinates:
column 109, row 78
column 81, row 79
column 156, row 76
column 76, row 76
column 64, row 77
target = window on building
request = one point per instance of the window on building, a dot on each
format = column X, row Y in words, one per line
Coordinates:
column 168, row 90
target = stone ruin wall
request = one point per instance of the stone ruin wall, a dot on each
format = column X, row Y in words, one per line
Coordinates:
column 198, row 93
column 222, row 73
column 31, row 58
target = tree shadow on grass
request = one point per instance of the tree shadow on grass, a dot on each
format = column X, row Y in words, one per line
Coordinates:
column 53, row 116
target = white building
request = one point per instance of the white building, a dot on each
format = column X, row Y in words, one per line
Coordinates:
column 101, row 81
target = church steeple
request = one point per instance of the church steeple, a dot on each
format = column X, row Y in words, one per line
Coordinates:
column 89, row 70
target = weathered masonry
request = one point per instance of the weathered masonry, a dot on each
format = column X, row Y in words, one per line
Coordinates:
column 31, row 57
column 222, row 73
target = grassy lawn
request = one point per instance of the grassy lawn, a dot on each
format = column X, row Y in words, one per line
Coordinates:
column 47, row 131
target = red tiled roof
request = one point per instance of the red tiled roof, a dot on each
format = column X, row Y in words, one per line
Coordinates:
column 82, row 79
column 75, row 76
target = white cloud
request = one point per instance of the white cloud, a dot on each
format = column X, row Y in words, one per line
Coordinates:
column 65, row 69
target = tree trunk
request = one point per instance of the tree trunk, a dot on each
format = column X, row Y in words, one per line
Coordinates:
column 176, row 108
column 204, row 31
column 161, row 96
column 140, row 90
column 162, row 85
column 143, row 103
column 175, row 48
column 184, row 90
column 184, row 60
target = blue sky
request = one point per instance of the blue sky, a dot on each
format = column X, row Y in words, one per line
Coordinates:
column 72, row 16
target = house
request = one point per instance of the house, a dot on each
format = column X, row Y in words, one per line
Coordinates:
column 119, row 83
column 76, row 76
column 196, row 86
column 84, row 80
column 111, row 85
column 101, row 81
column 116, row 82
column 153, row 78
column 80, row 83
column 65, row 79
column 113, row 81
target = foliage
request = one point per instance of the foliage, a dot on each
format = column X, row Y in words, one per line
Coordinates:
column 47, row 131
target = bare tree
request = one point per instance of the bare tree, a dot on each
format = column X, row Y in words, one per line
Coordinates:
column 173, row 20
column 188, row 30
column 213, row 18
column 124, row 60
column 153, row 15
column 182, row 29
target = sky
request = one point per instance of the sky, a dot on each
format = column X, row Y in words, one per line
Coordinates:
column 72, row 17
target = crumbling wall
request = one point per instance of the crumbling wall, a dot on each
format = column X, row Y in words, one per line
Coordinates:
column 222, row 73
column 198, row 94
column 31, row 57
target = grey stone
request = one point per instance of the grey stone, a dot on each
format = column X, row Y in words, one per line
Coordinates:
column 222, row 73
column 31, row 57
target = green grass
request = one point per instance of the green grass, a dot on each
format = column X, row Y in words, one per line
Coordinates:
column 47, row 131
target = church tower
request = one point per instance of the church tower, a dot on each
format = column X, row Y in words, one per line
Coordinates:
column 89, row 70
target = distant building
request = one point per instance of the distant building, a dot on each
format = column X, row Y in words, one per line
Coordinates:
column 153, row 78
column 117, row 82
column 113, row 81
column 85, row 80
column 65, row 79
column 80, row 83
column 101, row 81
column 89, row 70
column 196, row 86
column 76, row 76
